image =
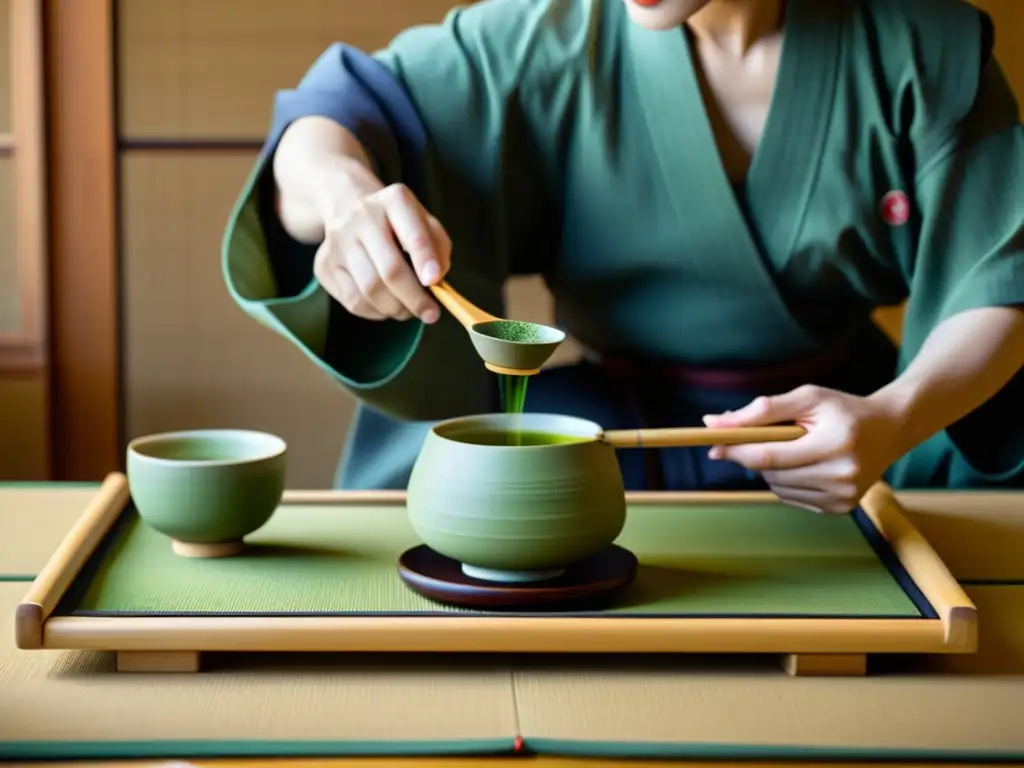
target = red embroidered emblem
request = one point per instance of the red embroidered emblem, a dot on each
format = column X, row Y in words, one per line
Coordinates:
column 896, row 208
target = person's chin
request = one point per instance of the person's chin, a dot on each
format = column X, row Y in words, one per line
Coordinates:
column 662, row 14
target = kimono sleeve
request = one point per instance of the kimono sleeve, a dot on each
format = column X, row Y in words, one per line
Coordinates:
column 438, row 110
column 970, row 254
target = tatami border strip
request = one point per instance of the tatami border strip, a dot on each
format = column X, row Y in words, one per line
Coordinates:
column 509, row 748
column 213, row 749
column 747, row 752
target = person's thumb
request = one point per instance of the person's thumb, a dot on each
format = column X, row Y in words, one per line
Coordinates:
column 764, row 411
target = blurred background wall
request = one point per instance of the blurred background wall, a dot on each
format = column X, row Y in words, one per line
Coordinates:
column 195, row 79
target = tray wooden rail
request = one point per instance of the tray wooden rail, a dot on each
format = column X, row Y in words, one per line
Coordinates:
column 821, row 646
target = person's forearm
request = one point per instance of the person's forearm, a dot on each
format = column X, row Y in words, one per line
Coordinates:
column 965, row 361
column 320, row 170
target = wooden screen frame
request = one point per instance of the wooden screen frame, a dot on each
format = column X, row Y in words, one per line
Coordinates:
column 26, row 351
column 84, row 266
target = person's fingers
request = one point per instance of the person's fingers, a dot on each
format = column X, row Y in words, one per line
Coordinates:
column 409, row 222
column 839, row 475
column 815, row 499
column 805, row 498
column 349, row 296
column 442, row 244
column 338, row 283
column 371, row 284
column 762, row 411
column 327, row 265
column 370, row 247
column 766, row 457
column 395, row 272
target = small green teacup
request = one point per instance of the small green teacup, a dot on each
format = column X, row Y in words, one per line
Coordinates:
column 207, row 489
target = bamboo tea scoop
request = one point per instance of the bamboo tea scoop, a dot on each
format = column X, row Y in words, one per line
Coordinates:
column 513, row 347
column 687, row 437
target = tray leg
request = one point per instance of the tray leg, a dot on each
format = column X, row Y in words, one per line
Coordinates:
column 158, row 661
column 825, row 664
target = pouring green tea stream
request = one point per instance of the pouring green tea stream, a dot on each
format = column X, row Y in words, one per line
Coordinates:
column 514, row 350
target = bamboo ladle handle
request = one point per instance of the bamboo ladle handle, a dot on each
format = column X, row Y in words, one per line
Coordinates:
column 462, row 309
column 686, row 437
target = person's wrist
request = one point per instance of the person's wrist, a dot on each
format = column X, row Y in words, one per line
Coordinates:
column 901, row 404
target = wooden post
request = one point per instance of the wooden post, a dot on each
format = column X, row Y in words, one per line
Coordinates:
column 84, row 277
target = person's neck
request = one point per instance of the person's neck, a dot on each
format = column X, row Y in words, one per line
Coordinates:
column 736, row 26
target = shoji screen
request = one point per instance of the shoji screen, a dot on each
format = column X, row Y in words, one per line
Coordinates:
column 24, row 418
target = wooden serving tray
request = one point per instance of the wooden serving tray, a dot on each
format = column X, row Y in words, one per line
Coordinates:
column 719, row 573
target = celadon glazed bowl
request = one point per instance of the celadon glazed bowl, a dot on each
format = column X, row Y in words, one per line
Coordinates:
column 207, row 489
column 516, row 512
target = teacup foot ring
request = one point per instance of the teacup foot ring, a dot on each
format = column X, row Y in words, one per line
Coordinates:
column 510, row 577
column 207, row 550
column 586, row 584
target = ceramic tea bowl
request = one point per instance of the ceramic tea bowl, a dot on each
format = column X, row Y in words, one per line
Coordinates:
column 207, row 489
column 516, row 497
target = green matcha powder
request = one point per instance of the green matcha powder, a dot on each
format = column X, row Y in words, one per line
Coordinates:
column 516, row 330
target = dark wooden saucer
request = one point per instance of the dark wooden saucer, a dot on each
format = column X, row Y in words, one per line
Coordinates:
column 583, row 584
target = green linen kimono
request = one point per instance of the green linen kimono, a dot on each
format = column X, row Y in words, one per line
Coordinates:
column 557, row 137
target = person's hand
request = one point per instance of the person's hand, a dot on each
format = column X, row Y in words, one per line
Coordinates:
column 361, row 261
column 850, row 442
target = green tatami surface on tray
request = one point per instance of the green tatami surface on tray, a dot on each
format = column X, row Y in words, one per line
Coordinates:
column 713, row 560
